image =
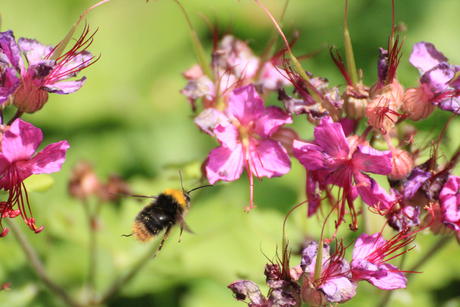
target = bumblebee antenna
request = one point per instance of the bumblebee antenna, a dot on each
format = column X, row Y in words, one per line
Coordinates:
column 203, row 186
column 182, row 183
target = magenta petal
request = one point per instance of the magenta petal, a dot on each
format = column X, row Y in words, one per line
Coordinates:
column 209, row 118
column 4, row 163
column 371, row 193
column 227, row 134
column 370, row 160
column 9, row 83
column 315, row 184
column 309, row 155
column 391, row 281
column 33, row 49
column 449, row 198
column 416, row 179
column 425, row 56
column 21, row 141
column 437, row 78
column 64, row 87
column 49, row 160
column 330, row 137
column 339, row 290
column 225, row 164
column 269, row 159
column 245, row 104
column 273, row 119
column 366, row 244
column 9, row 47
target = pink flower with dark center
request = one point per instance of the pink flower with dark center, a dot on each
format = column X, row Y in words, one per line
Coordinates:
column 245, row 140
column 17, row 162
column 342, row 162
column 46, row 75
column 369, row 260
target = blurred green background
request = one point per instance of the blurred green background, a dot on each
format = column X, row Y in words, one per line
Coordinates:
column 130, row 119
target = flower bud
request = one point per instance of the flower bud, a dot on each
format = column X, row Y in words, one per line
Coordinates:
column 312, row 296
column 83, row 182
column 416, row 105
column 356, row 101
column 402, row 164
column 382, row 110
column 28, row 98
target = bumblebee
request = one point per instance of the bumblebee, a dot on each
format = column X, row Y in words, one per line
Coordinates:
column 166, row 210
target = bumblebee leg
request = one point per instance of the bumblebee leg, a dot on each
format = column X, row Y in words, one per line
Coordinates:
column 127, row 235
column 165, row 236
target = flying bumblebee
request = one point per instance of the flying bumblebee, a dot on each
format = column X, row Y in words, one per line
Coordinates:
column 166, row 210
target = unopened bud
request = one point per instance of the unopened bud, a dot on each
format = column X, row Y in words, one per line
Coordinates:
column 356, row 101
column 28, row 98
column 83, row 182
column 416, row 105
column 311, row 295
column 382, row 111
column 401, row 163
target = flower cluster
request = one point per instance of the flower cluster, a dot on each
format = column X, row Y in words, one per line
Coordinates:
column 27, row 88
column 335, row 280
column 341, row 158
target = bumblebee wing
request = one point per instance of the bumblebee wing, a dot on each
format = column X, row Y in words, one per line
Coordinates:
column 141, row 196
column 181, row 221
column 185, row 227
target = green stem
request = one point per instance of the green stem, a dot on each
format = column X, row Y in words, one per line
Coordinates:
column 351, row 65
column 38, row 265
column 199, row 50
column 119, row 283
column 92, row 247
column 16, row 116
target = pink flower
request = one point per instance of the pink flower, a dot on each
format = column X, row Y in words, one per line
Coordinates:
column 340, row 161
column 47, row 75
column 17, row 162
column 369, row 261
column 449, row 198
column 245, row 140
column 334, row 285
